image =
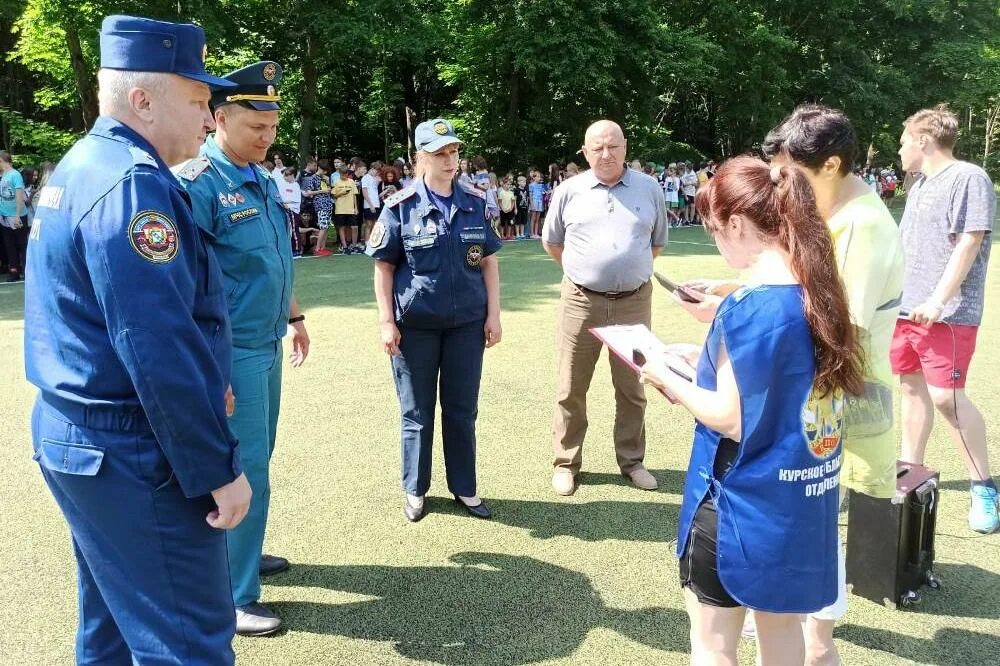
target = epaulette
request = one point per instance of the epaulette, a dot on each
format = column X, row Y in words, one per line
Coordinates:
column 400, row 196
column 192, row 168
column 472, row 189
column 141, row 157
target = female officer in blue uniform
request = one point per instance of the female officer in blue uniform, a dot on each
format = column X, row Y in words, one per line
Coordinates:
column 758, row 524
column 237, row 203
column 437, row 285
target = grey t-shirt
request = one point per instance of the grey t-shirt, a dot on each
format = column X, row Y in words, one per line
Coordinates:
column 607, row 232
column 958, row 199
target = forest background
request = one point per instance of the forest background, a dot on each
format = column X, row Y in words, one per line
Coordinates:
column 688, row 79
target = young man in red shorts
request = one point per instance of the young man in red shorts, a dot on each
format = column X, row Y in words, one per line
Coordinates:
column 946, row 231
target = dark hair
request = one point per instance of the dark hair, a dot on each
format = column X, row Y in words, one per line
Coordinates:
column 324, row 164
column 478, row 163
column 811, row 135
column 290, row 171
column 554, row 176
column 5, row 157
column 781, row 205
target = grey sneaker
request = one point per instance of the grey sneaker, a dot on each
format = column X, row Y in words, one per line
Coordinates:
column 642, row 479
column 256, row 620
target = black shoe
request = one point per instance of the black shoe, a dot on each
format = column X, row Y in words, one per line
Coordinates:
column 13, row 277
column 413, row 514
column 256, row 620
column 481, row 510
column 271, row 564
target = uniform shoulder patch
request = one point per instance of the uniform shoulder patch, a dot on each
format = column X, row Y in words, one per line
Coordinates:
column 192, row 168
column 153, row 236
column 471, row 189
column 400, row 196
column 142, row 158
column 377, row 236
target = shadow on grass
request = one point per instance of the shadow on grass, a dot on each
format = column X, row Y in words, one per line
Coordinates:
column 670, row 480
column 949, row 647
column 652, row 522
column 967, row 591
column 490, row 609
column 955, row 484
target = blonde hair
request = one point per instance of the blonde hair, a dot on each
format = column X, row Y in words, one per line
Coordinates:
column 939, row 123
column 420, row 163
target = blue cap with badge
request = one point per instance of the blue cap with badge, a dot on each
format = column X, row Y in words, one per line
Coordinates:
column 255, row 87
column 433, row 135
column 139, row 44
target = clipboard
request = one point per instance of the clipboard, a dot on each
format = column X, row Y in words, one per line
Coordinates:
column 622, row 341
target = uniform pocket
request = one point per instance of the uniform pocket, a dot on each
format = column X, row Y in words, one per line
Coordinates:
column 245, row 229
column 423, row 254
column 69, row 458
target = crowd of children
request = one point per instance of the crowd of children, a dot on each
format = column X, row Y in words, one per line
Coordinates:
column 349, row 196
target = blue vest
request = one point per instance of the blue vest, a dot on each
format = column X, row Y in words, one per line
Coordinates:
column 250, row 232
column 777, row 504
column 438, row 282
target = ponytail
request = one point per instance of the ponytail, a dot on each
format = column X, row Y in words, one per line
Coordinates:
column 839, row 362
column 779, row 201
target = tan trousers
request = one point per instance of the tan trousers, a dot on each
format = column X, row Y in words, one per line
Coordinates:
column 577, row 351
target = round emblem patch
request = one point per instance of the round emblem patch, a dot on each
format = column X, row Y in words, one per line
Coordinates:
column 823, row 420
column 440, row 128
column 269, row 72
column 474, row 255
column 154, row 236
column 377, row 235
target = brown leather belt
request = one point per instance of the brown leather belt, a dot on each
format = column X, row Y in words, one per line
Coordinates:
column 610, row 295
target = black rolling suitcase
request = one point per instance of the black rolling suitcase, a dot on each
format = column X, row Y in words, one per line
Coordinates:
column 890, row 542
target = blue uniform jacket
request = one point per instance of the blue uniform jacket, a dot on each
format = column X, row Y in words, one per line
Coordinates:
column 124, row 308
column 438, row 282
column 777, row 504
column 250, row 233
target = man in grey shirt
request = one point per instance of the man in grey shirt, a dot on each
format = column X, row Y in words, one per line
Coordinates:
column 604, row 227
column 946, row 232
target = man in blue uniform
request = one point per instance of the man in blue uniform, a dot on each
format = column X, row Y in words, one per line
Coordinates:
column 128, row 341
column 237, row 203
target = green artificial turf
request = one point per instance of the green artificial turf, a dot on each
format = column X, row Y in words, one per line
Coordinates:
column 588, row 579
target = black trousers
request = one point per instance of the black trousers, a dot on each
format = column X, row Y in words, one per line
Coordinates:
column 15, row 244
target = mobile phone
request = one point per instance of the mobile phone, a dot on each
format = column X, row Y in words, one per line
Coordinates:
column 675, row 288
column 640, row 359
